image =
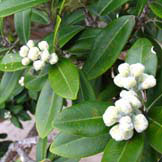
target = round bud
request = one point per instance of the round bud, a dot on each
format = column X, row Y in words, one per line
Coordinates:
column 53, row 59
column 130, row 82
column 140, row 123
column 30, row 44
column 137, row 69
column 148, row 82
column 38, row 65
column 135, row 102
column 116, row 133
column 128, row 135
column 43, row 45
column 119, row 80
column 124, row 69
column 25, row 61
column 24, row 51
column 125, row 123
column 124, row 106
column 111, row 116
column 125, row 93
column 33, row 53
column 45, row 55
column 21, row 81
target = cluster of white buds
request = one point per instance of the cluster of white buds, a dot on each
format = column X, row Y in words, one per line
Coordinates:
column 21, row 81
column 126, row 113
column 38, row 55
column 133, row 76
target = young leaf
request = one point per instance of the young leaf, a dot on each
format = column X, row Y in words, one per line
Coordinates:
column 47, row 107
column 111, row 41
column 8, row 84
column 22, row 22
column 9, row 7
column 141, row 52
column 11, row 62
column 72, row 146
column 124, row 151
column 41, row 149
column 154, row 131
column 86, row 91
column 64, row 79
column 84, row 119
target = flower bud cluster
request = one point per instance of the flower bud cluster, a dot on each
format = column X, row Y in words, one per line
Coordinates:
column 21, row 81
column 133, row 76
column 125, row 116
column 38, row 55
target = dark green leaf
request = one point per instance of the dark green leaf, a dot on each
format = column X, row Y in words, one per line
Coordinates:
column 9, row 7
column 24, row 116
column 124, row 151
column 83, row 119
column 22, row 22
column 108, row 45
column 64, row 79
column 140, row 6
column 47, row 107
column 72, row 146
column 66, row 160
column 141, row 53
column 16, row 122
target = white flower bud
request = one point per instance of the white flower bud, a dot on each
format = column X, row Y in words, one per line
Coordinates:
column 25, row 61
column 30, row 44
column 53, row 59
column 125, row 93
column 24, row 51
column 128, row 135
column 111, row 116
column 124, row 106
column 129, row 82
column 148, row 82
column 137, row 69
column 140, row 123
column 124, row 69
column 135, row 102
column 43, row 45
column 119, row 80
column 116, row 133
column 45, row 55
column 34, row 53
column 125, row 123
column 21, row 81
column 38, row 65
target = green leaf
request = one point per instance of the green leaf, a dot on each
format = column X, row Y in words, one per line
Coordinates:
column 40, row 17
column 64, row 79
column 8, row 84
column 156, row 7
column 84, row 119
column 41, row 149
column 72, row 146
column 16, row 122
column 86, row 91
column 66, row 160
column 124, row 151
column 141, row 52
column 104, row 7
column 111, row 41
column 22, row 22
column 11, row 62
column 140, row 6
column 47, row 107
column 154, row 131
column 9, row 7
column 67, row 32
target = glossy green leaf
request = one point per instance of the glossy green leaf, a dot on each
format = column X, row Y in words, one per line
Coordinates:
column 66, row 160
column 40, row 17
column 84, row 119
column 104, row 7
column 140, row 6
column 111, row 41
column 9, row 7
column 11, row 62
column 41, row 149
column 141, row 52
column 156, row 7
column 86, row 92
column 154, row 131
column 8, row 84
column 22, row 22
column 64, row 79
column 124, row 151
column 47, row 107
column 72, row 146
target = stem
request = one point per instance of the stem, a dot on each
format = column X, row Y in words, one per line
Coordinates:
column 62, row 7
